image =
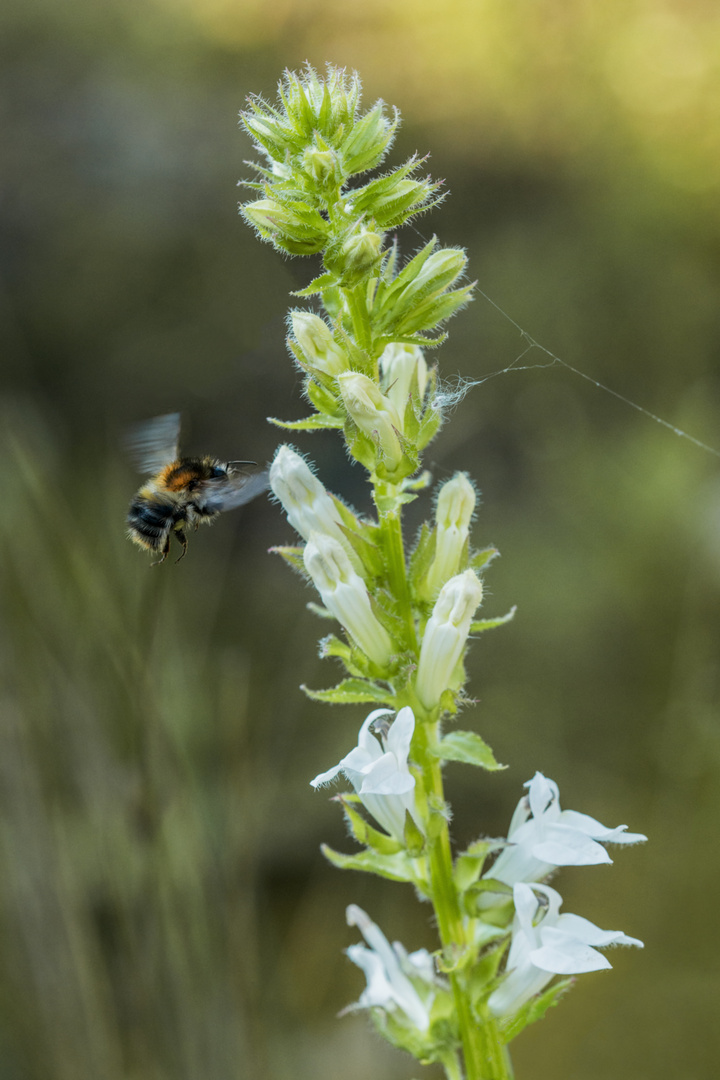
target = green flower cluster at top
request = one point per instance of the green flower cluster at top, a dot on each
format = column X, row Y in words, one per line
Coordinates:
column 317, row 145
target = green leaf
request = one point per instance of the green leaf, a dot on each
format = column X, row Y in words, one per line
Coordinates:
column 467, row 747
column 316, row 422
column 394, row 867
column 352, row 692
column 489, row 624
column 324, row 281
column 535, row 1009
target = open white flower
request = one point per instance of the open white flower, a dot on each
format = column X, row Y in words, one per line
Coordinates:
column 542, row 836
column 378, row 770
column 392, row 974
column 545, row 943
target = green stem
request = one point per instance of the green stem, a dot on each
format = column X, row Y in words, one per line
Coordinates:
column 391, row 525
column 485, row 1057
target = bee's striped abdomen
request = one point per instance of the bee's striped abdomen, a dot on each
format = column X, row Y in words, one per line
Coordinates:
column 150, row 520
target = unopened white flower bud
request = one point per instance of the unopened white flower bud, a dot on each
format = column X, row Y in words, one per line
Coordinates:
column 403, row 368
column 317, row 343
column 373, row 413
column 358, row 255
column 304, row 499
column 322, row 165
column 345, row 596
column 453, row 513
column 445, row 636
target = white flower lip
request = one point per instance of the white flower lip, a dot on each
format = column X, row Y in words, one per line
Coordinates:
column 545, row 943
column 542, row 836
column 378, row 770
column 386, row 967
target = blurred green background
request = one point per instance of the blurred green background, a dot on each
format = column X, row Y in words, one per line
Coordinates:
column 164, row 909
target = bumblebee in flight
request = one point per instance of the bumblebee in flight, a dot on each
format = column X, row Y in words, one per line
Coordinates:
column 183, row 492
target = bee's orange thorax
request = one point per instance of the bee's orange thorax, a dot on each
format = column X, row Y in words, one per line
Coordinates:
column 179, row 474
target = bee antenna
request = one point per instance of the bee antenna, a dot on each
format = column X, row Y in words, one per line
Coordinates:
column 242, row 462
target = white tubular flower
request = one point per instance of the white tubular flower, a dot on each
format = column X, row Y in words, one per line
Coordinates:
column 304, row 499
column 317, row 343
column 542, row 836
column 453, row 514
column 393, row 976
column 446, row 634
column 373, row 413
column 345, row 595
column 400, row 364
column 545, row 943
column 378, row 770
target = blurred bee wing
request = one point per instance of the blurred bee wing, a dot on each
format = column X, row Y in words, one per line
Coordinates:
column 153, row 444
column 234, row 492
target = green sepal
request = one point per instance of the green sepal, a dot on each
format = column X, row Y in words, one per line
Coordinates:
column 334, row 646
column 352, row 692
column 489, row 624
column 498, row 913
column 418, row 483
column 389, row 289
column 368, row 140
column 341, row 650
column 480, row 559
column 320, row 611
column 413, row 837
column 422, row 555
column 534, row 1009
column 360, row 445
column 483, row 978
column 440, row 815
column 316, row 422
column 363, row 831
column 454, row 958
column 293, row 556
column 468, row 748
column 469, row 865
column 369, row 554
column 396, row 867
column 324, row 400
column 449, row 699
column 431, row 312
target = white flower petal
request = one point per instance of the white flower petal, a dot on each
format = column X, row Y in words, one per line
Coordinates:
column 326, row 777
column 568, row 958
column 384, row 778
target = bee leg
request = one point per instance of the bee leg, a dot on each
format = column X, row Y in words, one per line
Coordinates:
column 165, row 552
column 182, row 539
